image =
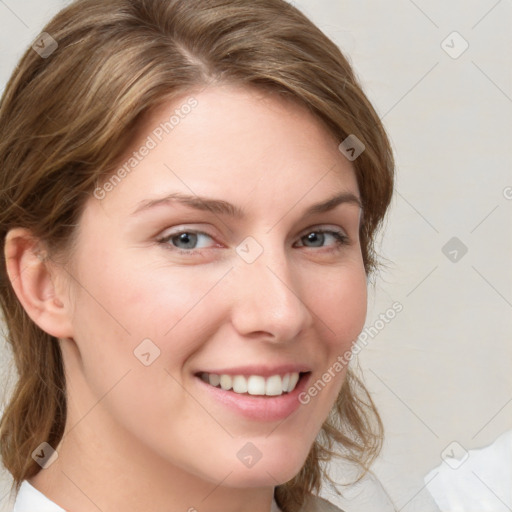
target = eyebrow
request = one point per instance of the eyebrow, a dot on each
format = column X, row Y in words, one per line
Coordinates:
column 219, row 206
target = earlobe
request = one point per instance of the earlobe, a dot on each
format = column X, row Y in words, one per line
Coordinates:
column 30, row 274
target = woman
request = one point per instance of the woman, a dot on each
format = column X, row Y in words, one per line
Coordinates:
column 190, row 191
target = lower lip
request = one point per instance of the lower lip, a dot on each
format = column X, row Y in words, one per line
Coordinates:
column 259, row 408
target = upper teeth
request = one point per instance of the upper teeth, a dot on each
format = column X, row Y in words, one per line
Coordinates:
column 254, row 384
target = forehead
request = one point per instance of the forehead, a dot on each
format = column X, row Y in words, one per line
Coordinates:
column 228, row 141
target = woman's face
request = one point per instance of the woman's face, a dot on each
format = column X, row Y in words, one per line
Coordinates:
column 258, row 283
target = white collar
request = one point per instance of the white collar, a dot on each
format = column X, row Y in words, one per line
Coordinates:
column 29, row 499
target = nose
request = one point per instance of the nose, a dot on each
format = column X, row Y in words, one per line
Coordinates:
column 267, row 300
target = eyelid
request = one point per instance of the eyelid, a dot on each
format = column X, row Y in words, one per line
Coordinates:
column 183, row 228
column 324, row 227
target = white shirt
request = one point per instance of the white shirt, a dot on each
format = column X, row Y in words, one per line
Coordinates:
column 29, row 499
column 479, row 481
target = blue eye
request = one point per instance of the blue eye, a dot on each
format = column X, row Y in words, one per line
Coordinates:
column 186, row 241
column 318, row 237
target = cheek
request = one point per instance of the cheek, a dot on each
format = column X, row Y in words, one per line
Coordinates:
column 145, row 299
column 122, row 315
column 339, row 300
column 340, row 305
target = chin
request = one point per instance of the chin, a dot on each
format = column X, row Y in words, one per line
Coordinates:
column 276, row 469
column 264, row 477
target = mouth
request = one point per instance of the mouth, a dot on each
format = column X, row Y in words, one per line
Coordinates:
column 255, row 397
column 255, row 385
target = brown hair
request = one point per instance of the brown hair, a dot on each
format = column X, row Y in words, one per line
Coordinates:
column 67, row 117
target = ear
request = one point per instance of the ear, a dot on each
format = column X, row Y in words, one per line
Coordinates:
column 34, row 279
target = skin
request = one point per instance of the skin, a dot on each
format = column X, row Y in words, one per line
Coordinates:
column 148, row 437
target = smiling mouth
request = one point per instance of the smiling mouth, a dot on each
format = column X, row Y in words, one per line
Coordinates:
column 254, row 385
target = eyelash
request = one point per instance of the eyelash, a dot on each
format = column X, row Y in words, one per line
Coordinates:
column 340, row 238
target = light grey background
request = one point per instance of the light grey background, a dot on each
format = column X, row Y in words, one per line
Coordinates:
column 440, row 370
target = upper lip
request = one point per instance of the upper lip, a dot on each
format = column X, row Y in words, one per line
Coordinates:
column 263, row 370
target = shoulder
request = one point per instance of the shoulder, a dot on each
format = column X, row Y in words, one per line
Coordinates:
column 318, row 504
